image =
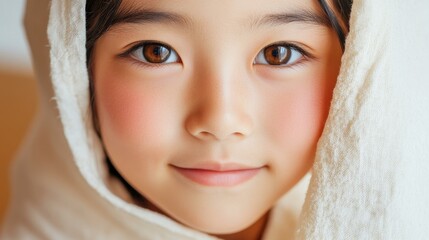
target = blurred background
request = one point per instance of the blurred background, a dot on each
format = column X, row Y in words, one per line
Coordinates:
column 18, row 96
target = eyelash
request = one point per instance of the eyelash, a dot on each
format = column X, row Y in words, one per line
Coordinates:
column 294, row 46
column 128, row 54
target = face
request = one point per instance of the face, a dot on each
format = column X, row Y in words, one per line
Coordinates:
column 212, row 109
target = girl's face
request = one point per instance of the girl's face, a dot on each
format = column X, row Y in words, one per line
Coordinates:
column 212, row 109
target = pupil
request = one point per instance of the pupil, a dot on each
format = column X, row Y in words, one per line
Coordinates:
column 276, row 55
column 155, row 53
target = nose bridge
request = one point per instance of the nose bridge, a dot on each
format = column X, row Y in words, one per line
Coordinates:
column 219, row 85
column 220, row 110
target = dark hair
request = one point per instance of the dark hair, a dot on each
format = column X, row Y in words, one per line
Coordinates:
column 343, row 8
column 100, row 16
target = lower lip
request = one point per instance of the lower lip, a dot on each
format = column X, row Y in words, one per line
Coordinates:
column 218, row 178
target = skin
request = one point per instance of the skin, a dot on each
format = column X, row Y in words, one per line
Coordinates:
column 215, row 104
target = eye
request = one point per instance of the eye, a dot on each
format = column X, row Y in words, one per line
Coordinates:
column 279, row 54
column 154, row 52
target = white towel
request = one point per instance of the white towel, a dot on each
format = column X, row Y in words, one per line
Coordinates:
column 372, row 163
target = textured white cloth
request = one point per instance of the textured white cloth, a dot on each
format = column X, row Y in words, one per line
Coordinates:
column 371, row 165
column 371, row 170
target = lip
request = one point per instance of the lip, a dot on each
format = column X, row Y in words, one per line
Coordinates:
column 221, row 175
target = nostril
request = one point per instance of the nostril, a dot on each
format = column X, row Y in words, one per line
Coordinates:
column 238, row 135
column 206, row 135
column 218, row 126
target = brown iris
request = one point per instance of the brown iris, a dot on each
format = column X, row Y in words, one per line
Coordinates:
column 277, row 54
column 156, row 53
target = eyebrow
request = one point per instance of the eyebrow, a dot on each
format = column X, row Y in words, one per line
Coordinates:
column 143, row 16
column 301, row 16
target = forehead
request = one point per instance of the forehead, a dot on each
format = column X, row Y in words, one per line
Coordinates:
column 223, row 5
column 203, row 13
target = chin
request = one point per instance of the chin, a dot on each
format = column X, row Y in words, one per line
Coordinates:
column 220, row 221
column 220, row 228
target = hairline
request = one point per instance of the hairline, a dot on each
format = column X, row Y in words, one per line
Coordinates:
column 132, row 15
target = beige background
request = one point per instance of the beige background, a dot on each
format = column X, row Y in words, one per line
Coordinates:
column 17, row 90
column 17, row 108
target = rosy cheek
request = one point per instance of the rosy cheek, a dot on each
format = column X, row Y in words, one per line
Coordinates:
column 128, row 114
column 300, row 115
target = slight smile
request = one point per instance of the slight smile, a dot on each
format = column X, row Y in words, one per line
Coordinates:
column 225, row 178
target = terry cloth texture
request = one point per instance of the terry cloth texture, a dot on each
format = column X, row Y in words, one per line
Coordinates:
column 373, row 158
column 368, row 181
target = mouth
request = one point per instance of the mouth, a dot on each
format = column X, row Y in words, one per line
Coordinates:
column 228, row 175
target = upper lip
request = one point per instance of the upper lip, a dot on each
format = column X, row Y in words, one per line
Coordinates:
column 219, row 166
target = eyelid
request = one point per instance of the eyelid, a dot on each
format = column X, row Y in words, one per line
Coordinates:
column 139, row 44
column 292, row 45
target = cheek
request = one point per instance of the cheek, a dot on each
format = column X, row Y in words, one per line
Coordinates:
column 294, row 127
column 300, row 115
column 304, row 114
column 125, row 112
column 133, row 119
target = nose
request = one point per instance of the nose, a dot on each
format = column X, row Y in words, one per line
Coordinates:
column 221, row 109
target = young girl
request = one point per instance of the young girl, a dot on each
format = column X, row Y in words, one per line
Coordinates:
column 219, row 103
column 194, row 119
